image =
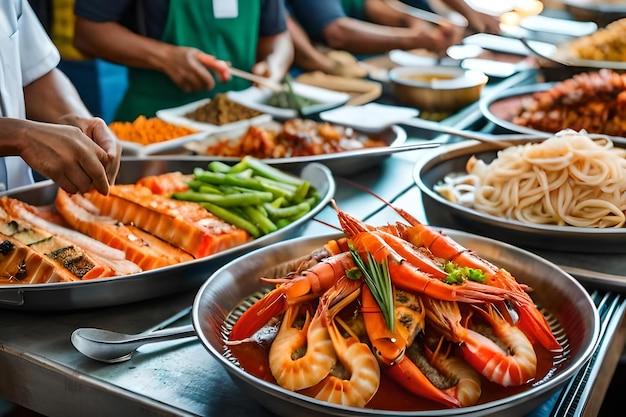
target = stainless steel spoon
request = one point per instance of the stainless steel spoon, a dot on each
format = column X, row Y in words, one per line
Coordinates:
column 113, row 347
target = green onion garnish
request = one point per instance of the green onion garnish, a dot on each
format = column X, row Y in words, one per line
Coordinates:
column 378, row 280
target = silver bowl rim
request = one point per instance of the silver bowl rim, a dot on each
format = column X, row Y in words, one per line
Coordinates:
column 316, row 405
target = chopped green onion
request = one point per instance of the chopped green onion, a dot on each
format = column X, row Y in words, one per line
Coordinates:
column 378, row 281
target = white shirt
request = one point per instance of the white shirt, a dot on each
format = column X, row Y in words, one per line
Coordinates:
column 26, row 53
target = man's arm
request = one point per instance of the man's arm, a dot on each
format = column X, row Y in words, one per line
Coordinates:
column 52, row 101
column 360, row 37
column 113, row 42
column 306, row 55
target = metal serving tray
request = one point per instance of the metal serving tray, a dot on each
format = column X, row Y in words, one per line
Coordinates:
column 153, row 283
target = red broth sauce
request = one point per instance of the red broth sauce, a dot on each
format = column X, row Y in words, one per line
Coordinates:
column 253, row 358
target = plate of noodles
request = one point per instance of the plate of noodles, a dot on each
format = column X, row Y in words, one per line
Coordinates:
column 543, row 194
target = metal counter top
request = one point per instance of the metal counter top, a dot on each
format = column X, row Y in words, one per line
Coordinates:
column 42, row 371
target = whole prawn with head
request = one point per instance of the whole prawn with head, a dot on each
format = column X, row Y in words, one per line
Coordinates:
column 514, row 365
column 358, row 377
column 395, row 350
column 502, row 283
column 302, row 356
column 307, row 283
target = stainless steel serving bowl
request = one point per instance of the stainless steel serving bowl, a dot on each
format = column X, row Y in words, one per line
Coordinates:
column 230, row 290
column 436, row 88
column 434, row 165
column 598, row 11
column 153, row 283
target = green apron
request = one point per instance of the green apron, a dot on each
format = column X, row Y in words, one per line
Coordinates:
column 354, row 8
column 192, row 23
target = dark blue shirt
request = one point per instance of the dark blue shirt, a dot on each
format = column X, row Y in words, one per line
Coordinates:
column 152, row 15
column 315, row 15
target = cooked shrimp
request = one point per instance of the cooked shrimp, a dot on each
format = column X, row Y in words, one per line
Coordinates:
column 515, row 366
column 356, row 357
column 293, row 288
column 467, row 388
column 295, row 371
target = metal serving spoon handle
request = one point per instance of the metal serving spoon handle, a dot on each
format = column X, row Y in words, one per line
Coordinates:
column 112, row 347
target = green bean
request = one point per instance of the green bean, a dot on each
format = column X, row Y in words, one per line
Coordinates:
column 261, row 220
column 227, row 200
column 209, row 189
column 218, row 166
column 268, row 171
column 280, row 202
column 195, row 184
column 301, row 191
column 216, row 178
column 232, row 218
column 289, row 211
column 279, row 190
column 238, row 167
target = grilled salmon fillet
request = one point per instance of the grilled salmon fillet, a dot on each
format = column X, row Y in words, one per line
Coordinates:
column 140, row 247
column 184, row 224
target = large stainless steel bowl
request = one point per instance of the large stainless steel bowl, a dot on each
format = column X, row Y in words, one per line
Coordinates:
column 230, row 288
column 434, row 165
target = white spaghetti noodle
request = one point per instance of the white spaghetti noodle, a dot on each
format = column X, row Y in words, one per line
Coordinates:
column 569, row 179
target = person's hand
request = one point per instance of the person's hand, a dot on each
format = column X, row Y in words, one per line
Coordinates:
column 484, row 23
column 264, row 69
column 99, row 132
column 436, row 38
column 189, row 69
column 70, row 157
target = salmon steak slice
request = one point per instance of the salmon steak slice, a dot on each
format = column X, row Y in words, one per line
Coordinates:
column 140, row 247
column 110, row 259
column 71, row 261
column 184, row 224
column 166, row 184
column 22, row 265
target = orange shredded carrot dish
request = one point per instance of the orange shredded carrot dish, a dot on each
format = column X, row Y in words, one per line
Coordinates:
column 146, row 131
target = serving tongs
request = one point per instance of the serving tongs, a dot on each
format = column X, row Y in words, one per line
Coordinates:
column 263, row 81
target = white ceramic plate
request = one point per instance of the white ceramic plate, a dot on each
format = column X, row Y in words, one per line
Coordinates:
column 256, row 98
column 407, row 59
column 136, row 149
column 572, row 28
column 372, row 117
column 176, row 115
